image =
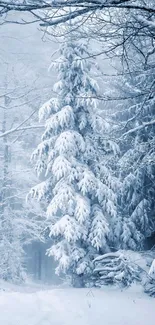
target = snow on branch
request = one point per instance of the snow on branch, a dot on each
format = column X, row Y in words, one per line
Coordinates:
column 115, row 268
column 140, row 127
column 21, row 128
column 80, row 7
column 149, row 286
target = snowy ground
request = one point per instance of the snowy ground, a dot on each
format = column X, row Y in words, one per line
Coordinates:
column 66, row 306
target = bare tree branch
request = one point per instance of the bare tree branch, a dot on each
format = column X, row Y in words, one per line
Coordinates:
column 140, row 127
column 21, row 129
column 80, row 7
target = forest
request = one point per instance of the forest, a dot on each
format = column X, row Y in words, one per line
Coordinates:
column 77, row 157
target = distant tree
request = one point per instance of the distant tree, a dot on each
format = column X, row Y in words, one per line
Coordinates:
column 19, row 221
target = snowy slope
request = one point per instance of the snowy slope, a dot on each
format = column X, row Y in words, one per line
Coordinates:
column 76, row 307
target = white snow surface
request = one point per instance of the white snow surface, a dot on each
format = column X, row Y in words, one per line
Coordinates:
column 68, row 306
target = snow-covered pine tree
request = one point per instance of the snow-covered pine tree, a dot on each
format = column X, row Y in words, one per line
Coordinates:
column 68, row 160
column 137, row 137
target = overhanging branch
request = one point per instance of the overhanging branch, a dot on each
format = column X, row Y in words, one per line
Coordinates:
column 80, row 7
